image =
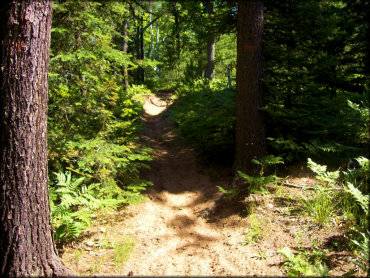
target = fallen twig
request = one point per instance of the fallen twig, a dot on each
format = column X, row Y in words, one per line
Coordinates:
column 207, row 211
column 303, row 186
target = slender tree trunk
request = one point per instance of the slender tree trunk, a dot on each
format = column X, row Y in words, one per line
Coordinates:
column 250, row 130
column 142, row 54
column 26, row 240
column 228, row 79
column 138, row 56
column 151, row 46
column 157, row 42
column 177, row 30
column 157, row 54
column 210, row 67
column 125, row 46
column 139, row 44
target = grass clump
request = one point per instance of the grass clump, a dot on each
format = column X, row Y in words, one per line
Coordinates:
column 122, row 251
column 321, row 207
column 255, row 232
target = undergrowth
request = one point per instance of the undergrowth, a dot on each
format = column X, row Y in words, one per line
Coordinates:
column 205, row 116
column 73, row 203
column 339, row 198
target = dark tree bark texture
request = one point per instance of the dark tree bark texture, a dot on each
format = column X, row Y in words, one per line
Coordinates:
column 250, row 130
column 177, row 30
column 26, row 241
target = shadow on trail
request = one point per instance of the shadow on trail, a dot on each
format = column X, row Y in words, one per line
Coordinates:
column 174, row 168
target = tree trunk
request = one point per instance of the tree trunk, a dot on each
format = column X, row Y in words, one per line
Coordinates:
column 156, row 69
column 26, row 240
column 157, row 57
column 138, row 56
column 142, row 54
column 177, row 30
column 250, row 130
column 151, row 45
column 228, row 79
column 139, row 44
column 210, row 67
column 125, row 46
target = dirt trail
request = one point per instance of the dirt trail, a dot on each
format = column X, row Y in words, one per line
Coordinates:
column 171, row 238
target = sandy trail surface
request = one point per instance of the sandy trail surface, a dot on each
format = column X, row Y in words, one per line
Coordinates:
column 241, row 237
column 171, row 238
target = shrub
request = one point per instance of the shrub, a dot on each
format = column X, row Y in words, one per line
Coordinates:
column 206, row 120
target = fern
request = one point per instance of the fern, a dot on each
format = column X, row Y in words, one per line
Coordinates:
column 73, row 202
column 361, row 199
column 259, row 183
column 230, row 194
column 328, row 178
column 299, row 264
column 363, row 251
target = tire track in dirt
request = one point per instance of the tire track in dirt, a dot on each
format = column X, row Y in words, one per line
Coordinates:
column 171, row 238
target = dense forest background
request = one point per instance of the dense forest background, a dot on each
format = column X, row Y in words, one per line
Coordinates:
column 107, row 56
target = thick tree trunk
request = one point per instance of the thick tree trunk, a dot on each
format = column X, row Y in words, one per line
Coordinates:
column 125, row 47
column 250, row 130
column 210, row 67
column 26, row 240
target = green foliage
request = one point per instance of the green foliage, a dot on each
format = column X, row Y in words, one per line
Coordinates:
column 361, row 199
column 302, row 264
column 92, row 121
column 206, row 120
column 353, row 201
column 259, row 183
column 322, row 174
column 255, row 232
column 182, row 43
column 359, row 176
column 317, row 106
column 351, row 204
column 106, row 162
column 362, row 251
column 122, row 252
column 321, row 207
column 72, row 203
column 230, row 193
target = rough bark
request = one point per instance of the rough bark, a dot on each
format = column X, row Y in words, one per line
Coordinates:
column 250, row 130
column 26, row 240
column 210, row 67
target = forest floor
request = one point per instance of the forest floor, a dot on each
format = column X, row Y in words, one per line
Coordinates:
column 165, row 235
